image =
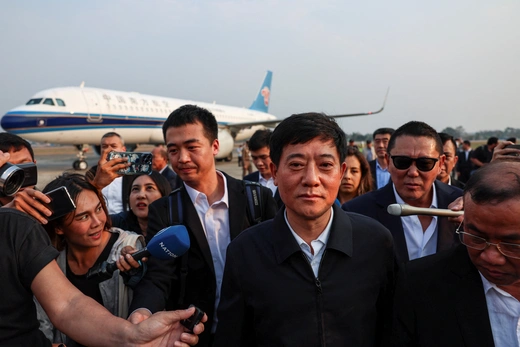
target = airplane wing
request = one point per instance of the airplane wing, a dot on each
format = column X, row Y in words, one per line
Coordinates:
column 274, row 122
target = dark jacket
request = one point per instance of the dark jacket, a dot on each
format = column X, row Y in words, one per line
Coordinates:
column 270, row 296
column 374, row 204
column 171, row 176
column 255, row 177
column 159, row 289
column 440, row 301
column 464, row 166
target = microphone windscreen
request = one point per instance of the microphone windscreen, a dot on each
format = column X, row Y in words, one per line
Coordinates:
column 171, row 242
column 394, row 209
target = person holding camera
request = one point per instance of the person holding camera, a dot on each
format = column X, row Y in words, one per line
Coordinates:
column 28, row 267
column 20, row 193
column 105, row 176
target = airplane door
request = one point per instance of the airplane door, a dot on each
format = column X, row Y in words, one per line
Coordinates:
column 93, row 107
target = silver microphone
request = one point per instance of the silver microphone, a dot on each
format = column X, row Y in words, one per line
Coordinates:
column 407, row 210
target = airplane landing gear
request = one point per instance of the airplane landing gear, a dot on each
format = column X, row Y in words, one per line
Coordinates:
column 81, row 163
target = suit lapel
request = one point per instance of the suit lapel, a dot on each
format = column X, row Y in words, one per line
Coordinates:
column 237, row 206
column 446, row 236
column 384, row 197
column 470, row 302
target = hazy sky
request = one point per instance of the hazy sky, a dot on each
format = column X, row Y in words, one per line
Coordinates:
column 448, row 63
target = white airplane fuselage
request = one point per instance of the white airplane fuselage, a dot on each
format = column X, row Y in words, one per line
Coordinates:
column 80, row 115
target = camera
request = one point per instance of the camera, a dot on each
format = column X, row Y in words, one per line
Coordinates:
column 13, row 177
column 514, row 154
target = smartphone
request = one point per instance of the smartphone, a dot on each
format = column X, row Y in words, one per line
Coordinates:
column 139, row 162
column 61, row 203
column 195, row 319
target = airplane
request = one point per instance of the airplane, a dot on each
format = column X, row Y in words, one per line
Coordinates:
column 81, row 116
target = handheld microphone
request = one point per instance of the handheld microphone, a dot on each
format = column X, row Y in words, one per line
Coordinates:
column 407, row 210
column 169, row 243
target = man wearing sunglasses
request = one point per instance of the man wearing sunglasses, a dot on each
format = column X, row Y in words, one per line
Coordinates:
column 415, row 155
column 469, row 296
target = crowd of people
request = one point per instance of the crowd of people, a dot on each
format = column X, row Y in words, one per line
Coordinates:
column 301, row 252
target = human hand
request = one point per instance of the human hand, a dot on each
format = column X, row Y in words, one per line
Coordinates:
column 107, row 171
column 501, row 152
column 126, row 262
column 457, row 205
column 165, row 329
column 30, row 201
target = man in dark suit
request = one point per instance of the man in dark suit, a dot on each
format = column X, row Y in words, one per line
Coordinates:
column 415, row 155
column 214, row 209
column 464, row 164
column 468, row 296
column 379, row 166
column 313, row 276
column 160, row 164
column 450, row 151
column 259, row 148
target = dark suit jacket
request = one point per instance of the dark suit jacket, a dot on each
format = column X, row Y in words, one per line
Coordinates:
column 159, row 288
column 374, row 204
column 255, row 177
column 440, row 301
column 464, row 166
column 125, row 191
column 270, row 296
column 171, row 176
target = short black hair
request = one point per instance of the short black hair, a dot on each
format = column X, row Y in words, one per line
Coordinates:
column 14, row 142
column 512, row 139
column 492, row 140
column 416, row 129
column 448, row 138
column 382, row 131
column 494, row 183
column 304, row 127
column 260, row 139
column 467, row 142
column 191, row 114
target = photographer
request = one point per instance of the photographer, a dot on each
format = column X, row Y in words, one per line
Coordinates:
column 27, row 199
column 28, row 268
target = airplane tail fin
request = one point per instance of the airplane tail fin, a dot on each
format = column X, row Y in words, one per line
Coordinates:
column 262, row 100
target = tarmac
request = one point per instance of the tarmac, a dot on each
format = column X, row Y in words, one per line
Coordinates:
column 52, row 161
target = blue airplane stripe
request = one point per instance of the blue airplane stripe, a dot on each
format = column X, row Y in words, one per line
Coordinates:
column 19, row 131
column 13, row 122
column 79, row 114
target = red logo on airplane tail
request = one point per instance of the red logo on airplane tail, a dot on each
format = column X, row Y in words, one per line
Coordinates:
column 265, row 93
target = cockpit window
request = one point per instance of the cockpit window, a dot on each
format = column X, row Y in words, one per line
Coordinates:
column 34, row 101
column 60, row 102
column 48, row 102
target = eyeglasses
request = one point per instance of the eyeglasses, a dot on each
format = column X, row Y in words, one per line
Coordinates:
column 510, row 250
column 424, row 164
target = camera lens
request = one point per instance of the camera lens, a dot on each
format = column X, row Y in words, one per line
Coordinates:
column 11, row 179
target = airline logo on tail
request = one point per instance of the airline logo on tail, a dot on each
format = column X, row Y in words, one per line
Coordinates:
column 266, row 93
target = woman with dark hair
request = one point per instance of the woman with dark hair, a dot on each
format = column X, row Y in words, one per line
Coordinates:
column 357, row 179
column 85, row 239
column 144, row 190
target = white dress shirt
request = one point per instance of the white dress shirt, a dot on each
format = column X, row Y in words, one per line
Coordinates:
column 418, row 242
column 318, row 245
column 267, row 183
column 113, row 194
column 215, row 222
column 504, row 315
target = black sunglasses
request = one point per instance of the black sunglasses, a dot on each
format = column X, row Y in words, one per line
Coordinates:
column 424, row 164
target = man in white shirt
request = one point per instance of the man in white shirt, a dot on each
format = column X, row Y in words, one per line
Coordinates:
column 379, row 166
column 415, row 156
column 160, row 164
column 105, row 175
column 470, row 295
column 259, row 149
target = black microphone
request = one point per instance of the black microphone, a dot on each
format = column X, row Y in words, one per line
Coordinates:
column 169, row 243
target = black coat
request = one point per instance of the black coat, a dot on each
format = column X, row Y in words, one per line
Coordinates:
column 171, row 176
column 374, row 204
column 159, row 288
column 271, row 298
column 440, row 301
